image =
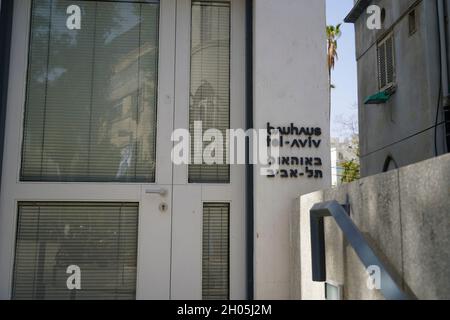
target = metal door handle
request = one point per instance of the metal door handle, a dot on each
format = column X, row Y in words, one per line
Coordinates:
column 161, row 192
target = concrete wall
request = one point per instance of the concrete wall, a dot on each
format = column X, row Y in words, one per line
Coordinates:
column 405, row 216
column 290, row 82
column 413, row 107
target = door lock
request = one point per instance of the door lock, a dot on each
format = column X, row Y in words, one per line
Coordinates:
column 163, row 207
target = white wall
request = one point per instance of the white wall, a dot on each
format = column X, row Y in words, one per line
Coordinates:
column 290, row 86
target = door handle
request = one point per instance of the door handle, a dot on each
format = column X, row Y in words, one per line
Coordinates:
column 161, row 192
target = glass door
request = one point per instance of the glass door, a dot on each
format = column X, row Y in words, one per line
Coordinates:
column 92, row 205
column 208, row 225
column 87, row 179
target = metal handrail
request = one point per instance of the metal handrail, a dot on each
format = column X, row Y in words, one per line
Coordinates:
column 389, row 288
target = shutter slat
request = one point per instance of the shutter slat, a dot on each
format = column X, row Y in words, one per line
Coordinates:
column 215, row 258
column 386, row 62
column 100, row 238
column 390, row 60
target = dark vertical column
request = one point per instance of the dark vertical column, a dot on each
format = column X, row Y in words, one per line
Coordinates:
column 6, row 14
column 447, row 99
column 447, row 126
column 249, row 167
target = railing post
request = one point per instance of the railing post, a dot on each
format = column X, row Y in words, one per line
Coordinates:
column 319, row 271
column 389, row 288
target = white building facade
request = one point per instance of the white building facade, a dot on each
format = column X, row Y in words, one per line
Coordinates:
column 92, row 205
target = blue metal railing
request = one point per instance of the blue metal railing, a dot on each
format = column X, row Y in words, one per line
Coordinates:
column 389, row 288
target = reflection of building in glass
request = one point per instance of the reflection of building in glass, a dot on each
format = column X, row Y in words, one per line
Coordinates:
column 134, row 100
column 210, row 81
column 92, row 117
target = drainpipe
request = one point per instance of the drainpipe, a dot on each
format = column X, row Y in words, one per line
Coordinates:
column 444, row 65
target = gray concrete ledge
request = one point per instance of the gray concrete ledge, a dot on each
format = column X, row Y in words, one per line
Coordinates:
column 404, row 214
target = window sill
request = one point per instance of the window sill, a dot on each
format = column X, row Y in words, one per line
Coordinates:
column 382, row 96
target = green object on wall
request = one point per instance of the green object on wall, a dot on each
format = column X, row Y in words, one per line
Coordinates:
column 379, row 98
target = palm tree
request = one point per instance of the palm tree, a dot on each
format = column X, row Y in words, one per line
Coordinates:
column 333, row 34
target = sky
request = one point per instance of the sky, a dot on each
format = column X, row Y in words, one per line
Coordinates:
column 344, row 77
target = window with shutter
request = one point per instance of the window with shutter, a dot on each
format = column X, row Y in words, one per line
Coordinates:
column 210, row 82
column 390, row 60
column 382, row 65
column 386, row 62
column 216, row 251
column 412, row 22
column 99, row 238
column 90, row 112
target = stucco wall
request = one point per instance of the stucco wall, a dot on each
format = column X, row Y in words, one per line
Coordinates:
column 290, row 86
column 414, row 105
column 404, row 215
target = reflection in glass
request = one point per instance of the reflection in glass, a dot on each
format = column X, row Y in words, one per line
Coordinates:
column 92, row 93
column 210, row 82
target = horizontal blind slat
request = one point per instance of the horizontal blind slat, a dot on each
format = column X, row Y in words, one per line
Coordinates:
column 210, row 83
column 90, row 114
column 100, row 238
column 215, row 248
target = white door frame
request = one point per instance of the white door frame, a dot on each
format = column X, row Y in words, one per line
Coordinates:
column 169, row 262
column 153, row 262
column 188, row 209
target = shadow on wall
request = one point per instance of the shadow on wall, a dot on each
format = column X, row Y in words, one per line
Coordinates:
column 403, row 214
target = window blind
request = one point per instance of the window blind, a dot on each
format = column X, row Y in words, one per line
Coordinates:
column 216, row 273
column 210, row 83
column 382, row 65
column 99, row 238
column 90, row 111
column 386, row 62
column 390, row 60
